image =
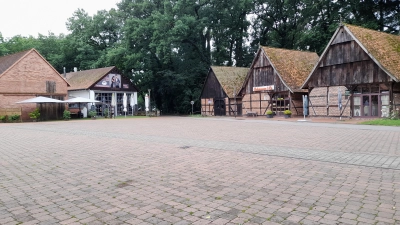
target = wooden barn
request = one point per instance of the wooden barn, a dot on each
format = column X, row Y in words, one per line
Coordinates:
column 25, row 75
column 219, row 94
column 274, row 81
column 359, row 70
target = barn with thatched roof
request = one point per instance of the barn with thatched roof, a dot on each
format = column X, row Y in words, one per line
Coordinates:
column 359, row 70
column 274, row 81
column 219, row 95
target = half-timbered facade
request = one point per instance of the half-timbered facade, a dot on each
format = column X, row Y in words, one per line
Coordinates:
column 219, row 94
column 362, row 65
column 274, row 81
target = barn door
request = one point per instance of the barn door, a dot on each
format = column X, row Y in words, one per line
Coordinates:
column 239, row 109
column 219, row 108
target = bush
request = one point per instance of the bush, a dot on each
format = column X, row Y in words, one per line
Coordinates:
column 287, row 112
column 35, row 114
column 106, row 111
column 92, row 113
column 66, row 115
column 14, row 117
column 269, row 112
column 3, row 118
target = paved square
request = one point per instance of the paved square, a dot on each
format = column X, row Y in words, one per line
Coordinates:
column 177, row 170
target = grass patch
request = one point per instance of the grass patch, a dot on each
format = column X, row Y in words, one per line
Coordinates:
column 382, row 122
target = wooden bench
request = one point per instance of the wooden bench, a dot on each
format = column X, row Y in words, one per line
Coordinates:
column 253, row 114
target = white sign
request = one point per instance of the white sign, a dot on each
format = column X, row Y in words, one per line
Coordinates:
column 264, row 88
column 192, row 102
column 146, row 102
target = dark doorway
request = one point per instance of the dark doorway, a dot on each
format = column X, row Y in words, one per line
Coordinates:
column 219, row 108
column 239, row 109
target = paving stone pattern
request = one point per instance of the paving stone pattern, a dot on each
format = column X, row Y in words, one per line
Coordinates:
column 176, row 170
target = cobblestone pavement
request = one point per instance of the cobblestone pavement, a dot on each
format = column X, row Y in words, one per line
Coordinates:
column 177, row 170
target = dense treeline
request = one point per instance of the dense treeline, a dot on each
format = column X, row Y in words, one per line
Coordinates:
column 168, row 46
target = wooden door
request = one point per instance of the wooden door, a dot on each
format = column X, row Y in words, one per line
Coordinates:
column 219, row 107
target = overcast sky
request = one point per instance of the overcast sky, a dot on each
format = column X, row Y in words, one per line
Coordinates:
column 30, row 17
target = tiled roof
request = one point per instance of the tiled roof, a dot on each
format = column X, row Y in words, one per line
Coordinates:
column 384, row 47
column 293, row 66
column 84, row 79
column 8, row 60
column 230, row 78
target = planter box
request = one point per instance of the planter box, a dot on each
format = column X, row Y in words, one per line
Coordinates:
column 270, row 116
column 287, row 116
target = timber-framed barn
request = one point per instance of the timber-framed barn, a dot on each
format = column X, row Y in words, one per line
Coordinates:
column 219, row 95
column 362, row 65
column 274, row 81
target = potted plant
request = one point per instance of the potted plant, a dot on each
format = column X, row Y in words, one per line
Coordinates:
column 269, row 114
column 287, row 113
column 34, row 115
column 66, row 115
column 92, row 114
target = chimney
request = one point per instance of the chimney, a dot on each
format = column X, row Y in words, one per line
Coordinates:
column 65, row 73
column 75, row 69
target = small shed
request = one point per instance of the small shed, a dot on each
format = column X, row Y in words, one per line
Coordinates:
column 364, row 66
column 102, row 84
column 219, row 95
column 274, row 81
column 25, row 75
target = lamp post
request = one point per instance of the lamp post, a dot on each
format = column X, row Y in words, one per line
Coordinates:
column 234, row 95
column 149, row 100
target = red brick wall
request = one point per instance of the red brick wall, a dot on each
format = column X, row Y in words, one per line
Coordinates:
column 26, row 80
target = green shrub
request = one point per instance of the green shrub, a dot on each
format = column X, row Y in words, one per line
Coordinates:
column 35, row 114
column 287, row 112
column 106, row 113
column 66, row 115
column 92, row 113
column 14, row 117
column 3, row 118
column 269, row 112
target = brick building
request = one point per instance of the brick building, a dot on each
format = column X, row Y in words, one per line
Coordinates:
column 102, row 84
column 26, row 75
column 274, row 80
column 218, row 96
column 364, row 66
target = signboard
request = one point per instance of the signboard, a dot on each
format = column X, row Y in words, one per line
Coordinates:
column 110, row 81
column 264, row 88
column 146, row 102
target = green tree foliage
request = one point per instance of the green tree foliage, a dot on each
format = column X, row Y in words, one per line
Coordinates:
column 168, row 45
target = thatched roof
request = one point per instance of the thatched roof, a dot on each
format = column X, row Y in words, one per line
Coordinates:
column 292, row 66
column 384, row 47
column 230, row 78
column 82, row 80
